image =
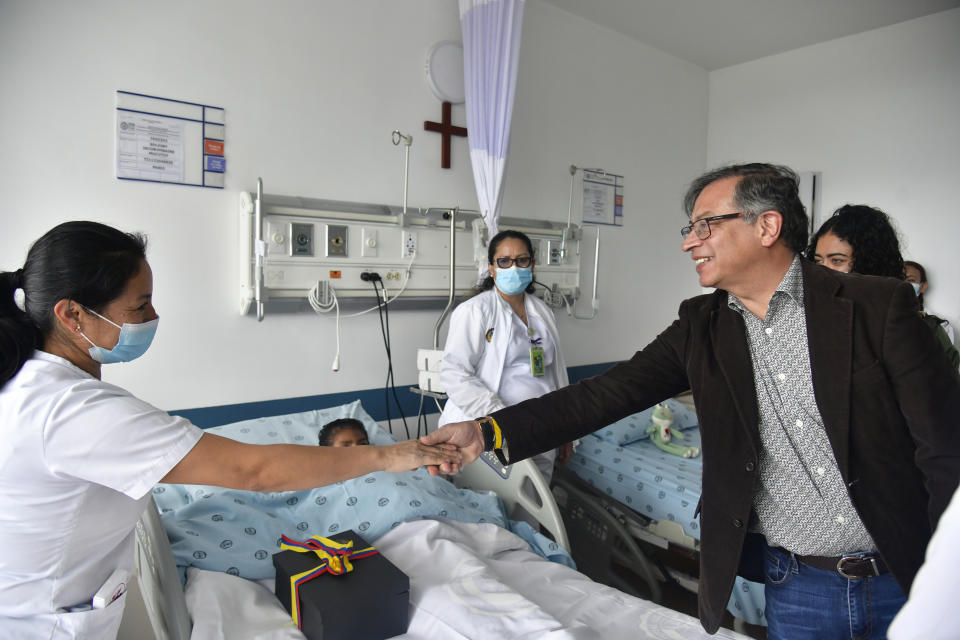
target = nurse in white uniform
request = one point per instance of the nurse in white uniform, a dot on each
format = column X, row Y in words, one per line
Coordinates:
column 502, row 347
column 79, row 456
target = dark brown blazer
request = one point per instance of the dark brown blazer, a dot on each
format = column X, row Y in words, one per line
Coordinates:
column 888, row 397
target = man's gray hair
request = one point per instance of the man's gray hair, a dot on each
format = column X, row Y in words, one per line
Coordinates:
column 762, row 187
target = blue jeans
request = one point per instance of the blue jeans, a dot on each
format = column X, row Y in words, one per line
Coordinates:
column 806, row 602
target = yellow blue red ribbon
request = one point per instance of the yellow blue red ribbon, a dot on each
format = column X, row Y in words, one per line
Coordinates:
column 335, row 558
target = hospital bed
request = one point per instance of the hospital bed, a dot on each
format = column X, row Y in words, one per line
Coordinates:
column 470, row 578
column 618, row 484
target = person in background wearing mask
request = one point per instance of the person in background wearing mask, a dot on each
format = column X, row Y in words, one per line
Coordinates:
column 79, row 457
column 917, row 276
column 861, row 239
column 503, row 346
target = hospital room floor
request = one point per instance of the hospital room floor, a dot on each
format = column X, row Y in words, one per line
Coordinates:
column 679, row 599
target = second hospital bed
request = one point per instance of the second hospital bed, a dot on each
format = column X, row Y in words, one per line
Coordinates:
column 618, row 483
column 470, row 577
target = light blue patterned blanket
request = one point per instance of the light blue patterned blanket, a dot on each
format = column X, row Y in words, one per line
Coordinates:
column 238, row 531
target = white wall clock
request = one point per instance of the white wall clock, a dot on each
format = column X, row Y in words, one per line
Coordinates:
column 444, row 69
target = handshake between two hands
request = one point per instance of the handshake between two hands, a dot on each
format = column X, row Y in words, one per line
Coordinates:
column 452, row 447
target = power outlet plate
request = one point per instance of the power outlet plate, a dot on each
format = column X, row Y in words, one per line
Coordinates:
column 409, row 243
column 553, row 251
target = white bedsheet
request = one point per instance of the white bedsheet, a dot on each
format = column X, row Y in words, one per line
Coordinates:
column 466, row 581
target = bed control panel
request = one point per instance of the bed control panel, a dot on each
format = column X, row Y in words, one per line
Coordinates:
column 595, row 530
column 491, row 459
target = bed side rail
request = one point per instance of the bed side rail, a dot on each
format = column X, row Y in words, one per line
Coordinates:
column 159, row 579
column 480, row 477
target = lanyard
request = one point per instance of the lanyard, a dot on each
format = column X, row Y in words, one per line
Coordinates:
column 537, row 367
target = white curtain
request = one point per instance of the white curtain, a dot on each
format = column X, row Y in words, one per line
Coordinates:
column 491, row 46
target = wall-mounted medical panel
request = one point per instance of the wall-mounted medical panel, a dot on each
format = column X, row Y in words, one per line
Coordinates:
column 289, row 244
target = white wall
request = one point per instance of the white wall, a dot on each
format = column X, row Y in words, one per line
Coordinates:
column 878, row 114
column 312, row 91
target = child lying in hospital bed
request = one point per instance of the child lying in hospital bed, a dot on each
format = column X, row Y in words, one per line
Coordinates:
column 469, row 576
column 238, row 531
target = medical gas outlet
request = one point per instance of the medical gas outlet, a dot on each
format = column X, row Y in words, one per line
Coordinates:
column 368, row 242
column 336, row 240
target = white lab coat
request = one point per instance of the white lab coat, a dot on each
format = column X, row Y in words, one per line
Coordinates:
column 472, row 366
column 78, row 459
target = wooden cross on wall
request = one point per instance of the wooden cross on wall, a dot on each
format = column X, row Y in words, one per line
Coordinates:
column 446, row 129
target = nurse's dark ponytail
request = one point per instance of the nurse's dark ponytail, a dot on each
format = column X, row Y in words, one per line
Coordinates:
column 17, row 335
column 88, row 262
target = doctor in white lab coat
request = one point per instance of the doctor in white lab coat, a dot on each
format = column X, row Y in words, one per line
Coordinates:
column 79, row 457
column 503, row 347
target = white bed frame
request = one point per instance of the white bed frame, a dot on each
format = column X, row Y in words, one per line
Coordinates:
column 480, row 477
column 161, row 598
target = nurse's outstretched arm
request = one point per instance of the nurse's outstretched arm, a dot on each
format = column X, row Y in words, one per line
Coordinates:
column 223, row 462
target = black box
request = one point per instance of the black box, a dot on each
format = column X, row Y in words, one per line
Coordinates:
column 371, row 602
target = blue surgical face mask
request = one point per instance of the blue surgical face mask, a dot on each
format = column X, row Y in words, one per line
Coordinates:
column 133, row 342
column 916, row 288
column 514, row 280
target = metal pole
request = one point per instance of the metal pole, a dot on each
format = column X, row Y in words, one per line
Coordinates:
column 406, row 175
column 453, row 272
column 258, row 249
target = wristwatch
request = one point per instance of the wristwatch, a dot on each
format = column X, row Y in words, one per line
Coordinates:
column 493, row 439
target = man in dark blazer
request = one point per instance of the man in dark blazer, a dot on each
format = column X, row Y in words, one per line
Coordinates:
column 829, row 416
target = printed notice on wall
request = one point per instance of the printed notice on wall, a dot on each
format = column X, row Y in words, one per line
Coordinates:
column 602, row 198
column 149, row 147
column 170, row 141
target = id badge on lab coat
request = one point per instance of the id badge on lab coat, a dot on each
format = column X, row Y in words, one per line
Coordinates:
column 536, row 361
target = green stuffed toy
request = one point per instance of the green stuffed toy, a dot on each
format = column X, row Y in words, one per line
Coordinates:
column 662, row 436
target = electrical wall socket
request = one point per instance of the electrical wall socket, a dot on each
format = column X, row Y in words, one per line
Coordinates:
column 409, row 243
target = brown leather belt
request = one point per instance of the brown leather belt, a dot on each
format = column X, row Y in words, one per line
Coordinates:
column 850, row 567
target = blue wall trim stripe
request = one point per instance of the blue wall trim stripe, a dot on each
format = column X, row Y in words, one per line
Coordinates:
column 373, row 401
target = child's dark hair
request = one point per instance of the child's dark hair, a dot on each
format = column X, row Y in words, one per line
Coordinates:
column 330, row 429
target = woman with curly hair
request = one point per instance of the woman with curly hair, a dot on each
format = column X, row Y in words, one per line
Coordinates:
column 861, row 239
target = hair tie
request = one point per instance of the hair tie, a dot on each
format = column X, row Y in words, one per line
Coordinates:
column 18, row 279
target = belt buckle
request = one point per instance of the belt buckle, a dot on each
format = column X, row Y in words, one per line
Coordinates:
column 844, row 559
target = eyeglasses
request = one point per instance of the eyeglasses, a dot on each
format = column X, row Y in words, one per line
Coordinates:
column 520, row 261
column 702, row 226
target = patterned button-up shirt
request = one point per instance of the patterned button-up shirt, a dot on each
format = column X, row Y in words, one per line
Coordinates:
column 802, row 504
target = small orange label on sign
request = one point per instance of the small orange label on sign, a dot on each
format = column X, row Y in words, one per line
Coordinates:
column 213, row 147
column 334, row 275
